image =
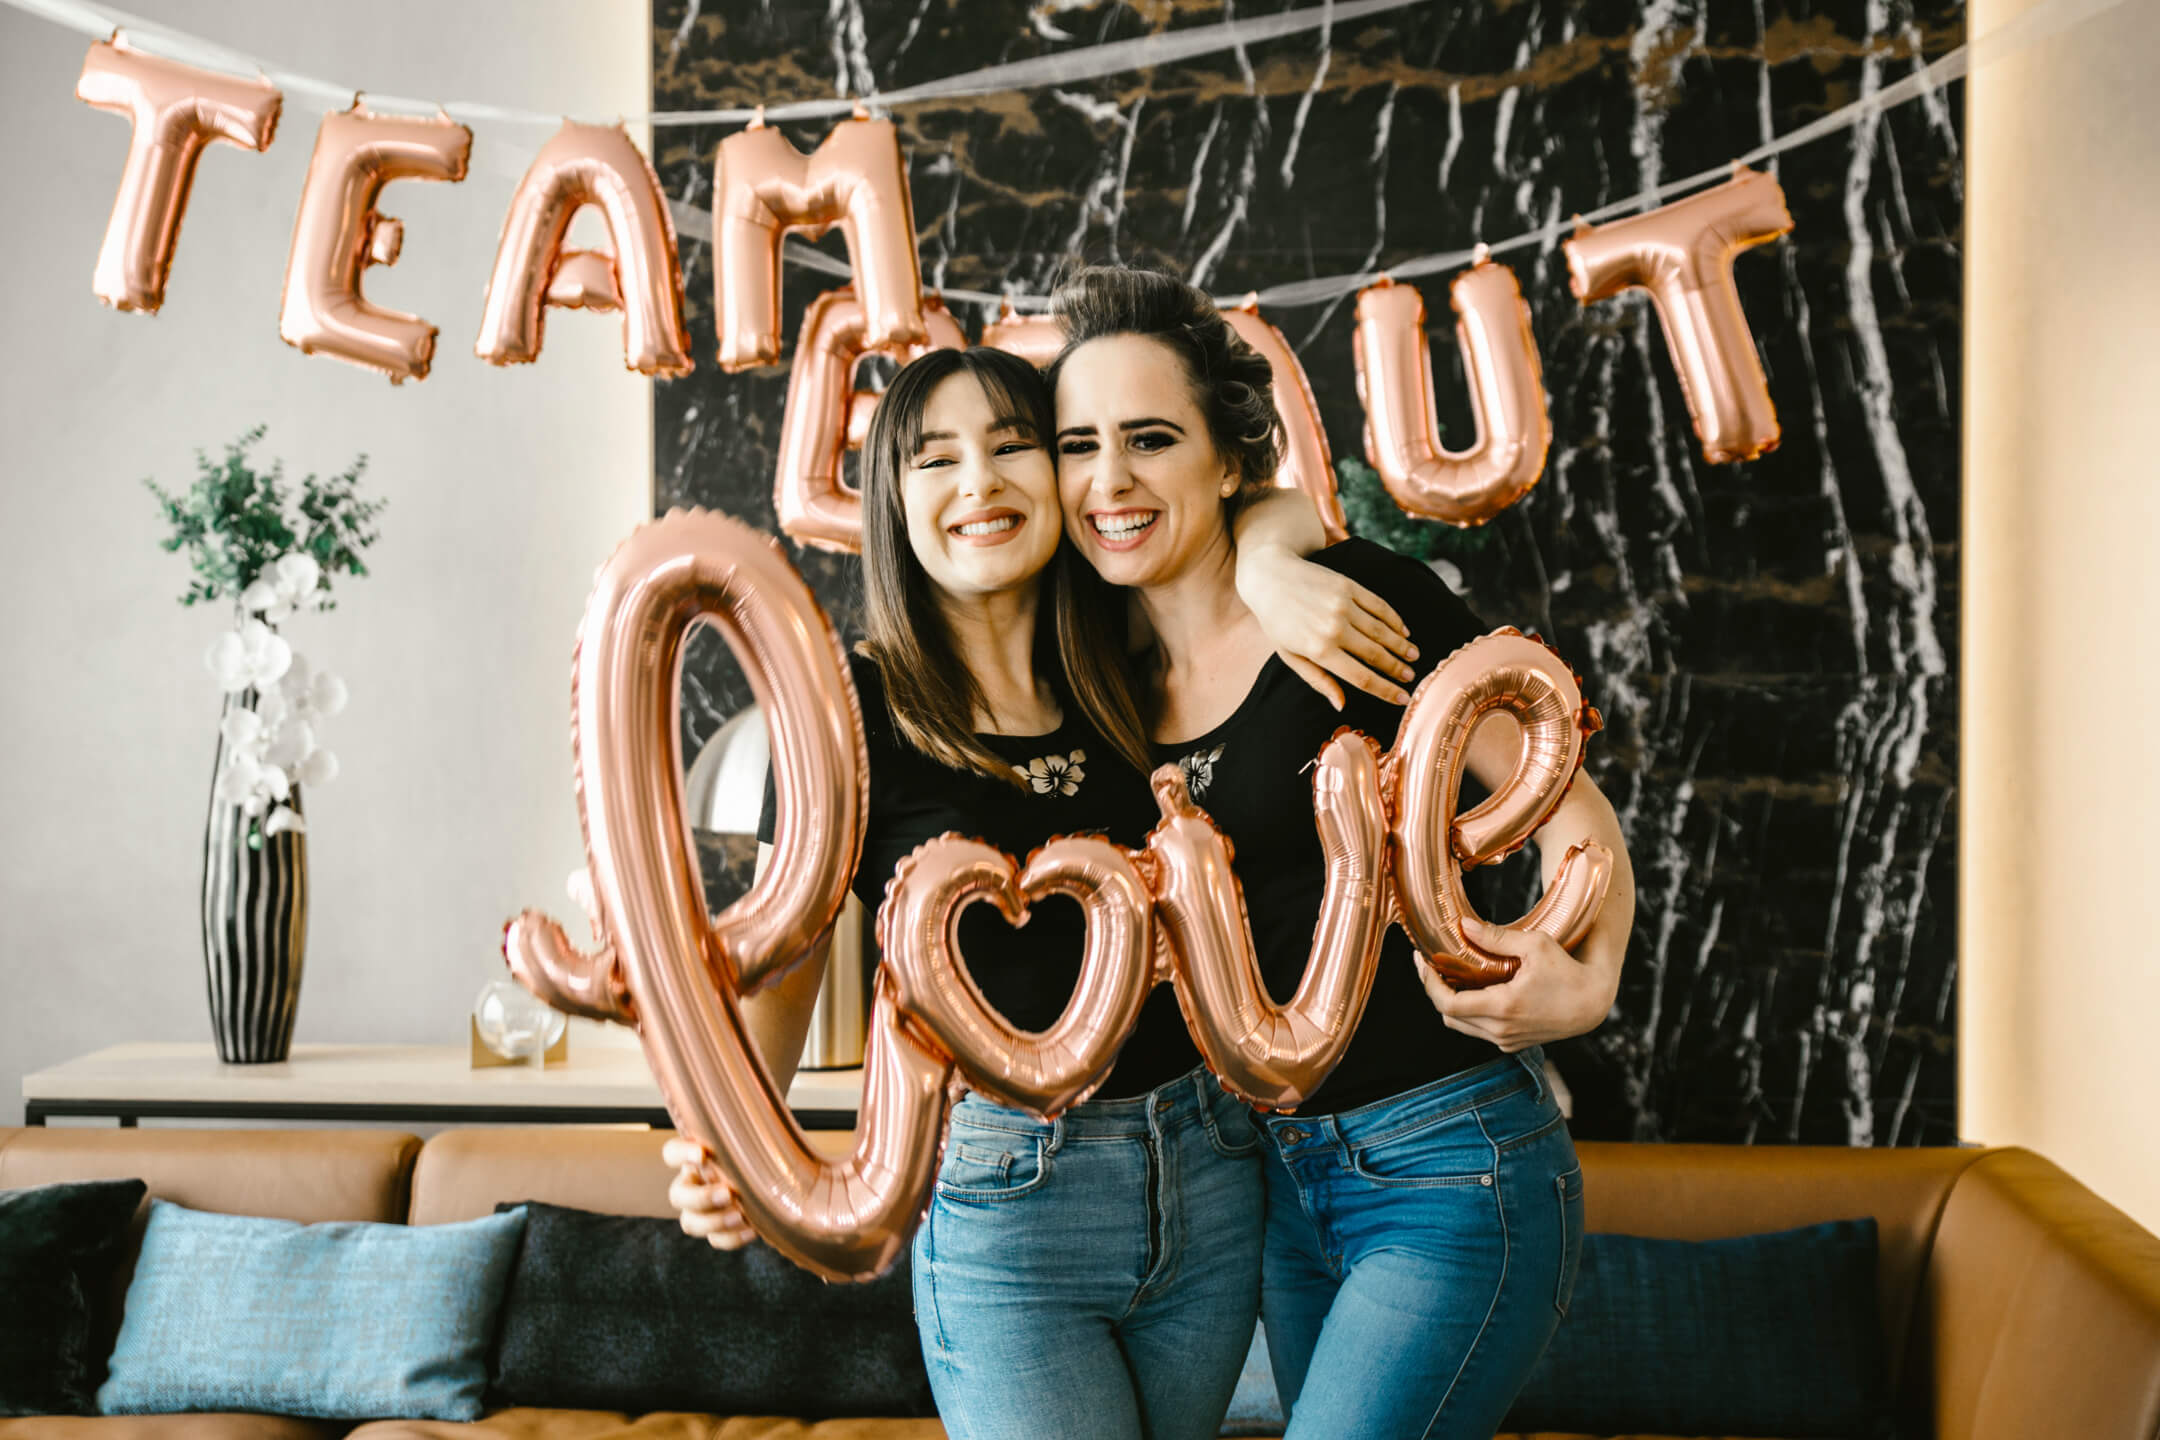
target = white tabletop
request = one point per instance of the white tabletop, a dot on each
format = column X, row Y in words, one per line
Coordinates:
column 598, row 1076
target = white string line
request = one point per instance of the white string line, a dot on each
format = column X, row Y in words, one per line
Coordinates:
column 1088, row 63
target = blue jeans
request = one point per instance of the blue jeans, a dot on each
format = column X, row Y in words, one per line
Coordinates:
column 1420, row 1253
column 1093, row 1276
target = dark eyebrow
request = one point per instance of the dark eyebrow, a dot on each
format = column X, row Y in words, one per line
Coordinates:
column 1151, row 420
column 1076, row 430
column 930, row 435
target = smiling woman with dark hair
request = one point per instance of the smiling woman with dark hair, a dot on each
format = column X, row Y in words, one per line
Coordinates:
column 1095, row 1276
column 1425, row 1206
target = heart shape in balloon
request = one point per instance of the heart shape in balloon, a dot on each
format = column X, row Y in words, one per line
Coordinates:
column 1046, row 1072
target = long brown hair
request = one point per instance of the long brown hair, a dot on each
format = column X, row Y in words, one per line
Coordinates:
column 1234, row 388
column 930, row 693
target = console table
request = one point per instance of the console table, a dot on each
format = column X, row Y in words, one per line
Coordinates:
column 421, row 1084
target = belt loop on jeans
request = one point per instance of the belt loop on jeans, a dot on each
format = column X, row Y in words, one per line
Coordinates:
column 1057, row 1136
column 1533, row 1060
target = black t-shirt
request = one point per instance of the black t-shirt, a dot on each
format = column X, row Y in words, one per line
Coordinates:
column 1250, row 775
column 1075, row 784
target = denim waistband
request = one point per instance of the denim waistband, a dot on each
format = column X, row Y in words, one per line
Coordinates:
column 1435, row 1100
column 1185, row 1099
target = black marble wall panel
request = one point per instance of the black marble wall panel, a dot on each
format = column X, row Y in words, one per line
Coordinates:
column 1774, row 644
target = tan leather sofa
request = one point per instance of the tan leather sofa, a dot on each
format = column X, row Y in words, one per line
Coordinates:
column 2017, row 1303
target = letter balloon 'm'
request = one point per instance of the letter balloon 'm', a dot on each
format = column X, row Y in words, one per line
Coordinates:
column 173, row 111
column 764, row 187
column 678, row 974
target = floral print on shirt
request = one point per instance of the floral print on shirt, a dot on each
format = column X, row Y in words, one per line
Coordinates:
column 1199, row 768
column 1059, row 774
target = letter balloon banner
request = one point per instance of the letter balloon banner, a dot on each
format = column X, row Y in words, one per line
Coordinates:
column 827, row 416
column 1507, row 397
column 173, row 111
column 1306, row 464
column 1683, row 255
column 338, row 235
column 676, row 973
column 763, row 187
column 639, row 274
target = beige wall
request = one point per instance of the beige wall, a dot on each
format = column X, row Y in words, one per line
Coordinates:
column 2060, row 986
column 506, row 489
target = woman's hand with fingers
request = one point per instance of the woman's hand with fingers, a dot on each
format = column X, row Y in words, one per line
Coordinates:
column 708, row 1207
column 1323, row 623
column 1552, row 995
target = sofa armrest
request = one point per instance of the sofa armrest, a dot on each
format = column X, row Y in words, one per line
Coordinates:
column 2044, row 1301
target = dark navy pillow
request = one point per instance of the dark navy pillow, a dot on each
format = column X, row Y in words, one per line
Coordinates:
column 58, row 1247
column 621, row 1312
column 1772, row 1334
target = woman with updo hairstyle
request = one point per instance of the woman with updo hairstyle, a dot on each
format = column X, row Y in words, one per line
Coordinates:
column 1097, row 1276
column 1424, row 1208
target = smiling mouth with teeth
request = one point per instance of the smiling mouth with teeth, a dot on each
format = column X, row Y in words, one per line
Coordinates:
column 1122, row 527
column 988, row 527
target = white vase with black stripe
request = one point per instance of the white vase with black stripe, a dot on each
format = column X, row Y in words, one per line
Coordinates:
column 254, row 922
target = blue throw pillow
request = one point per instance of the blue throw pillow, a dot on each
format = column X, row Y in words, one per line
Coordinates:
column 345, row 1321
column 1759, row 1335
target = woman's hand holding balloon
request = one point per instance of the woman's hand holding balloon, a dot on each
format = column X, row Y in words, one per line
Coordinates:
column 708, row 1206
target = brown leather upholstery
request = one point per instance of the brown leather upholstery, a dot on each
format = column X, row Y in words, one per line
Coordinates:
column 305, row 1175
column 598, row 1425
column 2043, row 1303
column 169, row 1427
column 464, row 1174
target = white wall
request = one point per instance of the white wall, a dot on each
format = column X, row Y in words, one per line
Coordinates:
column 506, row 489
column 2061, row 958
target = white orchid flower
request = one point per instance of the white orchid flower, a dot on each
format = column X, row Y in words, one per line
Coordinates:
column 296, row 577
column 320, row 767
column 284, row 818
column 275, row 710
column 242, row 729
column 253, row 655
column 327, row 693
column 260, row 596
column 298, row 679
column 294, row 739
column 275, row 784
column 240, row 777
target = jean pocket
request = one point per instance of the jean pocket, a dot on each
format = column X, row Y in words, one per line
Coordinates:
column 1570, row 1190
column 1231, row 1129
column 989, row 1166
column 1451, row 1150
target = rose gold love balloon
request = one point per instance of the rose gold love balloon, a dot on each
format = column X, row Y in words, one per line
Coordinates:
column 1683, row 254
column 1271, row 1055
column 639, row 274
column 678, row 973
column 338, row 234
column 763, row 187
column 827, row 416
column 173, row 110
column 1306, row 464
column 1042, row 1073
column 1517, row 675
column 1507, row 397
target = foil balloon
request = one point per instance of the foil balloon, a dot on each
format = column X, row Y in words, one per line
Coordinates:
column 1042, row 1073
column 1682, row 254
column 173, row 110
column 1507, row 397
column 1036, row 339
column 679, row 973
column 1268, row 1054
column 639, row 274
column 1520, row 676
column 337, row 235
column 827, row 415
column 763, row 187
column 1306, row 464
